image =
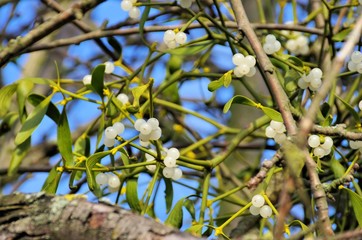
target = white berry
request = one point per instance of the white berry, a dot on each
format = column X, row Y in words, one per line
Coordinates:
column 251, row 72
column 173, row 152
column 138, row 123
column 270, row 38
column 155, row 134
column 110, row 132
column 254, row 210
column 360, row 105
column 238, row 59
column 250, row 61
column 265, row 211
column 152, row 167
column 134, row 12
column 258, row 200
column 270, row 132
column 316, row 73
column 123, row 98
column 126, row 5
column 87, row 79
column 145, row 129
column 109, row 142
column 168, row 172
column 356, row 57
column 109, row 67
column 113, row 181
column 319, row 152
column 169, row 161
column 181, row 37
column 314, row 141
column 177, row 174
column 101, row 178
column 119, row 127
column 328, row 143
column 169, row 35
column 153, row 122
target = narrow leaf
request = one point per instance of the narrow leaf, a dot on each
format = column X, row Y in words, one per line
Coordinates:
column 341, row 36
column 191, row 49
column 190, row 206
column 52, row 111
column 240, row 100
column 65, row 139
column 226, row 78
column 132, row 195
column 90, row 162
column 168, row 194
column 97, row 83
column 296, row 61
column 5, row 98
column 274, row 115
column 32, row 121
column 138, row 91
column 350, row 109
column 356, row 201
column 18, row 155
column 143, row 20
column 214, row 85
column 175, row 217
column 23, row 90
column 51, row 183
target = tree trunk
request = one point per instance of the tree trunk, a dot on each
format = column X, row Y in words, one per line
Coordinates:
column 40, row 216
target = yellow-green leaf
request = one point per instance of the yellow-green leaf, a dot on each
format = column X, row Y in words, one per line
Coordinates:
column 18, row 155
column 132, row 194
column 274, row 115
column 5, row 98
column 138, row 91
column 90, row 162
column 337, row 168
column 175, row 217
column 65, row 139
column 51, row 183
column 356, row 201
column 191, row 49
column 214, row 85
column 226, row 78
column 32, row 121
column 341, row 36
column 240, row 100
column 97, row 83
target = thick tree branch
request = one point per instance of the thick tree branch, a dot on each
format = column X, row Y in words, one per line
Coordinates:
column 40, row 216
column 17, row 46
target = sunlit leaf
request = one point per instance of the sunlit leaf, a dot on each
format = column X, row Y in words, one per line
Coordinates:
column 214, row 85
column 138, row 91
column 274, row 115
column 32, row 121
column 356, row 201
column 191, row 49
column 22, row 92
column 18, row 155
column 337, row 168
column 51, row 183
column 132, row 195
column 341, row 36
column 65, row 139
column 52, row 111
column 90, row 162
column 240, row 100
column 175, row 217
column 226, row 78
column 5, row 98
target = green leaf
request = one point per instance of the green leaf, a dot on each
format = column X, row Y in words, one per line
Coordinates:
column 18, row 155
column 90, row 162
column 190, row 206
column 337, row 168
column 290, row 80
column 168, row 194
column 42, row 81
column 32, row 121
column 64, row 138
column 341, row 36
column 191, row 49
column 274, row 115
column 143, row 20
column 82, row 145
column 97, row 83
column 296, row 61
column 226, row 78
column 5, row 98
column 350, row 109
column 51, row 183
column 76, row 175
column 132, row 195
column 214, row 85
column 304, row 227
column 7, row 122
column 138, row 91
column 23, row 90
column 175, row 217
column 356, row 201
column 52, row 111
column 240, row 100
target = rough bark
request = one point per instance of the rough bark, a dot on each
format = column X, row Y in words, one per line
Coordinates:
column 40, row 216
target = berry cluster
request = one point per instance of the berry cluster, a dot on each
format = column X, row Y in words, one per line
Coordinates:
column 112, row 132
column 172, row 39
column 169, row 159
column 128, row 6
column 299, row 45
column 271, row 44
column 123, row 98
column 258, row 207
column 355, row 64
column 244, row 65
column 277, row 131
column 112, row 181
column 186, row 3
column 320, row 149
column 313, row 80
column 149, row 130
